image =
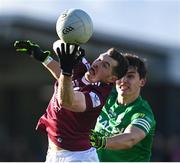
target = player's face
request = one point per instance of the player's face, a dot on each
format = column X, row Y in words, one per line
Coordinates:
column 102, row 69
column 130, row 85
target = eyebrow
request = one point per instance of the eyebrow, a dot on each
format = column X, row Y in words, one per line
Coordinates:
column 131, row 72
column 107, row 63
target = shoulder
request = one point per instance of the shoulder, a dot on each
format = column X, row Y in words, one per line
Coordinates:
column 141, row 108
column 141, row 105
column 141, row 115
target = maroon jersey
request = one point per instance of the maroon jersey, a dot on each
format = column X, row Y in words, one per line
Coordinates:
column 70, row 130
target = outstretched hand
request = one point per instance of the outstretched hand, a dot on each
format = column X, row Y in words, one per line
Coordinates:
column 69, row 55
column 29, row 48
column 97, row 140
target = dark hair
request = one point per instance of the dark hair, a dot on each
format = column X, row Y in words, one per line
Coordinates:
column 138, row 63
column 121, row 69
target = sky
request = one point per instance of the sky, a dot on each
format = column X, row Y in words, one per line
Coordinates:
column 157, row 21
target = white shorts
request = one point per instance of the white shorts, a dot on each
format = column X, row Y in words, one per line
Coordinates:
column 89, row 155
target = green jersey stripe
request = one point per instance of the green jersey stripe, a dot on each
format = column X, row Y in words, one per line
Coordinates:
column 142, row 122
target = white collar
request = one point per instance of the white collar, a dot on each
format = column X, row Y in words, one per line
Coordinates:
column 84, row 80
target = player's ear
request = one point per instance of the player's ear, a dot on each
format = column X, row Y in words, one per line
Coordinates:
column 142, row 82
column 113, row 79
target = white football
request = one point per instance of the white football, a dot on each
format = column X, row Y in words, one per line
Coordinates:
column 74, row 26
column 57, row 44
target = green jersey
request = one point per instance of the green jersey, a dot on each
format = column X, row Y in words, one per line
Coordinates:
column 115, row 118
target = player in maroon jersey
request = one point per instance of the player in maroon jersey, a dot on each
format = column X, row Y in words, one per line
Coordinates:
column 79, row 94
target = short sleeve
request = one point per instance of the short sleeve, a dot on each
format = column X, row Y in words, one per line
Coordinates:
column 93, row 100
column 143, row 121
column 96, row 96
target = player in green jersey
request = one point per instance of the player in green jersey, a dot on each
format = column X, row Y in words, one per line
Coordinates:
column 124, row 130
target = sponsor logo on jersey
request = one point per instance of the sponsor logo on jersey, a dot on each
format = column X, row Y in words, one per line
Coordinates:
column 59, row 139
column 112, row 113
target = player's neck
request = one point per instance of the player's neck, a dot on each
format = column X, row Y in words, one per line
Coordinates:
column 125, row 100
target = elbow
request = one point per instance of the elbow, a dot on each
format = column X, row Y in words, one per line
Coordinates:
column 130, row 144
column 65, row 104
column 64, row 101
column 120, row 144
column 61, row 103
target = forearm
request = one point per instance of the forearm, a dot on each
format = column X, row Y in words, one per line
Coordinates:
column 122, row 141
column 65, row 91
column 131, row 136
column 53, row 67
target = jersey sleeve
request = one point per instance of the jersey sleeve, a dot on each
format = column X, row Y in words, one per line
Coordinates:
column 93, row 100
column 96, row 98
column 143, row 121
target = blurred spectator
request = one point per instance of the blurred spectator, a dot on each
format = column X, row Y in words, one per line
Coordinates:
column 173, row 148
column 158, row 153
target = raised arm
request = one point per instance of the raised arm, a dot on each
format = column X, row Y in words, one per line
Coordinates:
column 68, row 98
column 26, row 47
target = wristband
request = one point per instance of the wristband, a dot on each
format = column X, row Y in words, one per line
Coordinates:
column 47, row 60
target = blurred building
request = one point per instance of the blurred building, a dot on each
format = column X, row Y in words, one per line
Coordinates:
column 26, row 86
